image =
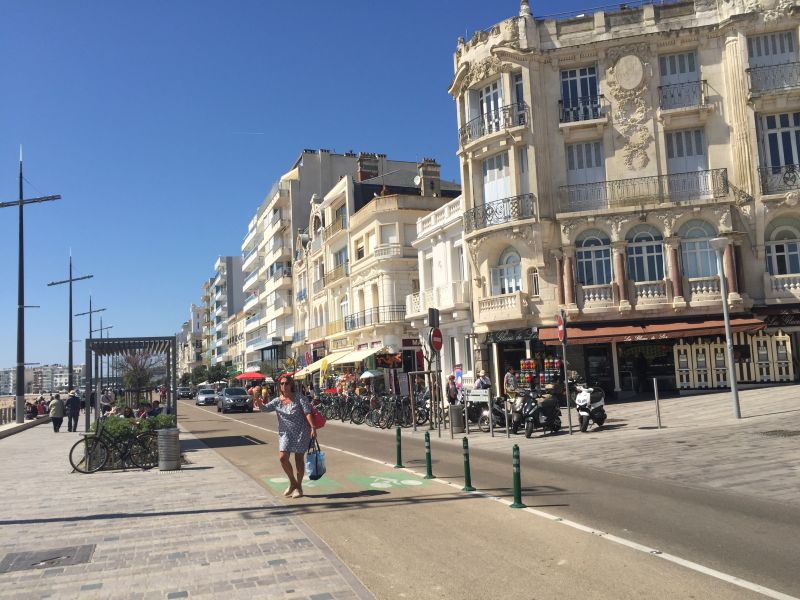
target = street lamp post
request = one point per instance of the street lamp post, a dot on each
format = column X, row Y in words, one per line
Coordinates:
column 719, row 245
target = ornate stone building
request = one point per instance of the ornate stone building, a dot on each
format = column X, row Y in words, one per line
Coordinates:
column 600, row 154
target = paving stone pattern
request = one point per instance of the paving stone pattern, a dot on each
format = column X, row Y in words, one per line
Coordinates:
column 206, row 531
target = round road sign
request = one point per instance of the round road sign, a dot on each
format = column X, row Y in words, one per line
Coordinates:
column 560, row 323
column 436, row 339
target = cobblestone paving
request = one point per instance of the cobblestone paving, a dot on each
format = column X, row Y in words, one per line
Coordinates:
column 205, row 531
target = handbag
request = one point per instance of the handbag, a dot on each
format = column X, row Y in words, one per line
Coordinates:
column 317, row 418
column 315, row 461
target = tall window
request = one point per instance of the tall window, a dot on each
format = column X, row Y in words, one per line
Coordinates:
column 585, row 165
column 645, row 254
column 522, row 168
column 593, row 257
column 699, row 259
column 579, row 98
column 687, row 164
column 507, row 275
column 534, row 281
column 519, row 99
column 783, row 247
column 782, row 139
column 344, row 306
column 496, row 178
column 491, row 99
column 771, row 49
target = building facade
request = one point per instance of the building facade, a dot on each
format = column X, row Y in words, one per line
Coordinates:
column 226, row 300
column 600, row 155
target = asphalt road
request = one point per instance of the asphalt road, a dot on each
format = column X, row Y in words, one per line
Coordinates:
column 751, row 539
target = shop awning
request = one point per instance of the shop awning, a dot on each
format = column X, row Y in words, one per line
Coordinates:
column 358, row 355
column 593, row 334
column 317, row 365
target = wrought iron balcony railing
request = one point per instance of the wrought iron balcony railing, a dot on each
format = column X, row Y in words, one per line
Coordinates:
column 682, row 95
column 511, row 115
column 319, row 285
column 500, row 211
column 335, row 227
column 697, row 186
column 774, row 77
column 375, row 316
column 339, row 272
column 585, row 108
column 779, row 179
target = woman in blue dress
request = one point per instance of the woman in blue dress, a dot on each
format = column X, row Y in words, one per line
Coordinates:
column 295, row 431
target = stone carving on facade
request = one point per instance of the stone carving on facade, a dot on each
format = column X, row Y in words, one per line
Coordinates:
column 789, row 200
column 491, row 65
column 669, row 220
column 723, row 215
column 616, row 223
column 627, row 83
column 567, row 227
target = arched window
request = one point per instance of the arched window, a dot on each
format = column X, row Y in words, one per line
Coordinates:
column 645, row 254
column 507, row 275
column 699, row 259
column 783, row 246
column 593, row 257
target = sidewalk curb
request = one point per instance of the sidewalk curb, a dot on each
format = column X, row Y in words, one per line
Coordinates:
column 4, row 433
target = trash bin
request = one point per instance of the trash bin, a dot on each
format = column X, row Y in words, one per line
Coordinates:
column 457, row 418
column 169, row 450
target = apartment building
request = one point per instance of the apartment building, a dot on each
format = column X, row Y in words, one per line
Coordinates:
column 208, row 332
column 601, row 154
column 190, row 341
column 444, row 281
column 356, row 264
column 235, row 343
column 226, row 300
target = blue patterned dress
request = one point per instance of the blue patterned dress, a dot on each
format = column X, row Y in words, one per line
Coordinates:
column 294, row 434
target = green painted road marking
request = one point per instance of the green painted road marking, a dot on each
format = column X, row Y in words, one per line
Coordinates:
column 325, row 484
column 387, row 480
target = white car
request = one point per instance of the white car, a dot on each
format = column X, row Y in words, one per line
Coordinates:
column 205, row 396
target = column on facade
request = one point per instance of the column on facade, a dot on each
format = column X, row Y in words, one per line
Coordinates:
column 620, row 276
column 735, row 76
column 569, row 277
column 674, row 267
column 559, row 258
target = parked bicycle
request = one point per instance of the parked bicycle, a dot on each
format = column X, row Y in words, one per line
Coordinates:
column 95, row 450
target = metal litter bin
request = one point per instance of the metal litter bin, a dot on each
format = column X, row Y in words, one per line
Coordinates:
column 457, row 418
column 169, row 450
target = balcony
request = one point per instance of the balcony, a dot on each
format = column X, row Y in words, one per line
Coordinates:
column 507, row 210
column 444, row 297
column 340, row 271
column 781, row 288
column 774, row 78
column 597, row 296
column 702, row 289
column 698, row 187
column 441, row 217
column 318, row 286
column 299, row 336
column 645, row 294
column 316, row 333
column 281, row 273
column 500, row 119
column 251, row 323
column 505, row 307
column 249, row 258
column 586, row 108
column 389, row 251
column 334, row 327
column 682, row 95
column 250, row 281
column 375, row 316
column 255, row 343
column 301, row 295
column 316, row 244
column 775, row 180
column 250, row 302
column 275, row 218
column 338, row 225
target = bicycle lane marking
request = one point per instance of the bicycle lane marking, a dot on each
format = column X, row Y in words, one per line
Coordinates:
column 654, row 552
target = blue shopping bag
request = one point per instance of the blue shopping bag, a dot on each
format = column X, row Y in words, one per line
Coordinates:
column 315, row 461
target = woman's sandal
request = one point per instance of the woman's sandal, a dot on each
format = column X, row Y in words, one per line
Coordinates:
column 292, row 487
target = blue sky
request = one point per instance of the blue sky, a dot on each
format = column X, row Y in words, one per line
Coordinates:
column 143, row 116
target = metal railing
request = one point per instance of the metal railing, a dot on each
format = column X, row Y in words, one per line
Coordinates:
column 375, row 316
column 779, row 179
column 316, row 333
column 584, row 108
column 275, row 218
column 337, row 273
column 282, row 272
column 700, row 186
column 500, row 211
column 683, row 95
column 774, row 77
column 318, row 286
column 302, row 294
column 338, row 225
column 334, row 327
column 511, row 115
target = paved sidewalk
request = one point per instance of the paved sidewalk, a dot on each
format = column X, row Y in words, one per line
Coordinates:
column 205, row 531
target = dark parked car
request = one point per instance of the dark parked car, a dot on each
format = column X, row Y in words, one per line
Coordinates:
column 234, row 399
column 185, row 392
column 206, row 396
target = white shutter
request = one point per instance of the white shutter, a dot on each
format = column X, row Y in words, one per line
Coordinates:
column 771, row 49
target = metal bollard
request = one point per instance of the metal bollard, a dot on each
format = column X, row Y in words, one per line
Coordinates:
column 399, row 460
column 658, row 406
column 517, row 480
column 428, row 467
column 467, row 476
column 506, row 405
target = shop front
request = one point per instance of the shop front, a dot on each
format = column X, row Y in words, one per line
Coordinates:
column 508, row 348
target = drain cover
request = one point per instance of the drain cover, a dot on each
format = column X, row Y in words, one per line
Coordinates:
column 45, row 559
column 781, row 433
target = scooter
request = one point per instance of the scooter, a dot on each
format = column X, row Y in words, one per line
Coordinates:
column 498, row 416
column 544, row 414
column 590, row 404
column 524, row 405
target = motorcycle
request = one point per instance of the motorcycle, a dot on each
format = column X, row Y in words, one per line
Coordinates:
column 544, row 414
column 590, row 402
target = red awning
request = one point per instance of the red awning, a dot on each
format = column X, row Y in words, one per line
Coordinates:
column 585, row 333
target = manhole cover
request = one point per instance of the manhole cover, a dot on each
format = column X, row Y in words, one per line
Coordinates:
column 45, row 559
column 781, row 433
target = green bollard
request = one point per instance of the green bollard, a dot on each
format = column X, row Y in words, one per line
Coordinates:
column 517, row 483
column 467, row 476
column 399, row 461
column 428, row 468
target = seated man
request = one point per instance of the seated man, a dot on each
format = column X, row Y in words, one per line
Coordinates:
column 156, row 410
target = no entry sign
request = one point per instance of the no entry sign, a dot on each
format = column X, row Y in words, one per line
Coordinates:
column 436, row 340
column 562, row 332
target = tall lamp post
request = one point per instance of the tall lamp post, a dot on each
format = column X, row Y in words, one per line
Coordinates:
column 719, row 245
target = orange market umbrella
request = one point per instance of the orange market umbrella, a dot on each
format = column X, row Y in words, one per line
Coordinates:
column 249, row 375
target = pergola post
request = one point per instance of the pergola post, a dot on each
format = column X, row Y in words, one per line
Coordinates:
column 174, row 387
column 89, row 382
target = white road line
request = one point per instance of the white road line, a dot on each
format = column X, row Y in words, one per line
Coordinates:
column 732, row 579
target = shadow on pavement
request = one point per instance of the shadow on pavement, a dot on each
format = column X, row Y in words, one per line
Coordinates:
column 223, row 441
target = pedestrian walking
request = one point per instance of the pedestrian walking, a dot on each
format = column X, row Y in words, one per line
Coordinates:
column 483, row 383
column 510, row 383
column 56, row 412
column 73, row 407
column 295, row 431
column 452, row 390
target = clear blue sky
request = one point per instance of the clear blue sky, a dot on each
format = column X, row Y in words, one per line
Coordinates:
column 142, row 116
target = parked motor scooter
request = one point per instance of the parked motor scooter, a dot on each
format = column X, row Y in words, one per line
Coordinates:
column 590, row 402
column 499, row 415
column 523, row 406
column 543, row 413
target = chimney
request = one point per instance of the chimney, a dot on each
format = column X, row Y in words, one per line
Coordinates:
column 430, row 179
column 366, row 166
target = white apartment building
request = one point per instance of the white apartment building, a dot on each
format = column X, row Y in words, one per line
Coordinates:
column 226, row 300
column 600, row 155
column 356, row 264
column 444, row 280
column 190, row 341
column 209, row 332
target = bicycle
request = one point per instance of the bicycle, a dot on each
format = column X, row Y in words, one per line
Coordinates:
column 92, row 453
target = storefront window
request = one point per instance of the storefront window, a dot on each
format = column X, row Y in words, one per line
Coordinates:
column 699, row 259
column 593, row 258
column 645, row 254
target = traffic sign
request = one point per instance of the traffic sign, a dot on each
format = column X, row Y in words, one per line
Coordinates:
column 436, row 340
column 562, row 328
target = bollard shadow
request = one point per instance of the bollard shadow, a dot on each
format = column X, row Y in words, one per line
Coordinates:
column 349, row 495
column 781, row 412
column 652, row 427
column 223, row 441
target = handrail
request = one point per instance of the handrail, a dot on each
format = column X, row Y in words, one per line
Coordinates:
column 683, row 95
column 505, row 210
column 510, row 115
column 584, row 108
